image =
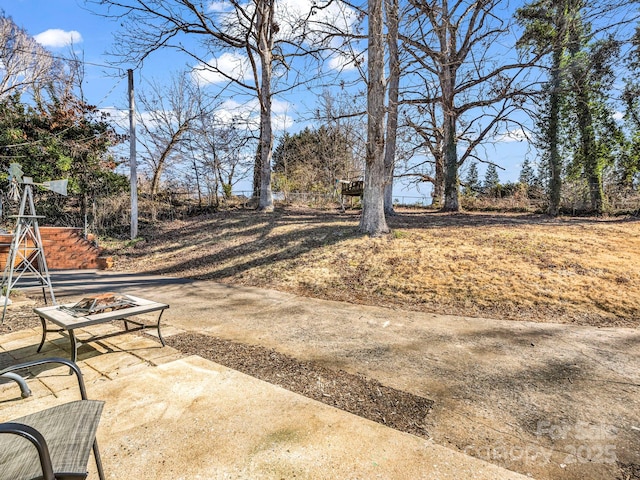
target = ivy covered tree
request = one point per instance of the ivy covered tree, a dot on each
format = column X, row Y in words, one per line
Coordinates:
column 578, row 135
column 598, row 136
column 628, row 165
column 547, row 26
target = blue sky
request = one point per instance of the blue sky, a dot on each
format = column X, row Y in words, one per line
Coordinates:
column 60, row 25
column 63, row 24
column 57, row 24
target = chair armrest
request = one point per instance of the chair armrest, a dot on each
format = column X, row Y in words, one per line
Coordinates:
column 37, row 440
column 24, row 389
column 63, row 361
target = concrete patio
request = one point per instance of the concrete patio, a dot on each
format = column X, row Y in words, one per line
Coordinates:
column 173, row 417
column 521, row 395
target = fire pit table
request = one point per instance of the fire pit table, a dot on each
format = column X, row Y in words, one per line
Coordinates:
column 70, row 317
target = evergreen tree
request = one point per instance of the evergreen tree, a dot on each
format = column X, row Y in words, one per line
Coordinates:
column 577, row 133
column 63, row 139
column 491, row 178
column 472, row 181
column 312, row 160
column 527, row 175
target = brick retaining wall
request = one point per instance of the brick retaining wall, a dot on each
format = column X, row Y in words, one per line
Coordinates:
column 64, row 249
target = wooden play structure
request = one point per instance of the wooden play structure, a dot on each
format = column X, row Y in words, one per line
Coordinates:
column 350, row 189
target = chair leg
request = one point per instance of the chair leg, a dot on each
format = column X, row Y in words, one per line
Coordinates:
column 96, row 455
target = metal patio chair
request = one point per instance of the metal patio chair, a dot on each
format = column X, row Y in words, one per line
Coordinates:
column 7, row 361
column 52, row 444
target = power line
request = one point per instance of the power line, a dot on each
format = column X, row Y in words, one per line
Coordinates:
column 56, row 57
column 110, row 91
column 121, row 72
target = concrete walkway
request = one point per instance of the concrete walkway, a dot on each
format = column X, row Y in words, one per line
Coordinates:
column 522, row 395
column 173, row 417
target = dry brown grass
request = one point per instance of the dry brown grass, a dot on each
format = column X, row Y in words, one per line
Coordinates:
column 515, row 266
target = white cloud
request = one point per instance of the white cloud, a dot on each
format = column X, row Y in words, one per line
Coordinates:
column 153, row 119
column 233, row 112
column 248, row 113
column 282, row 122
column 517, row 135
column 336, row 14
column 120, row 117
column 618, row 116
column 278, row 106
column 218, row 6
column 344, row 63
column 217, row 69
column 55, row 38
column 281, row 115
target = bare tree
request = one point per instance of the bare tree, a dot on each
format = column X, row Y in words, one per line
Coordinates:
column 256, row 40
column 221, row 150
column 24, row 63
column 430, row 140
column 266, row 30
column 167, row 115
column 450, row 44
column 372, row 220
column 392, row 18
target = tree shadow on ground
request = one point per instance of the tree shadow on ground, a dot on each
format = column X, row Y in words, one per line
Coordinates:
column 257, row 242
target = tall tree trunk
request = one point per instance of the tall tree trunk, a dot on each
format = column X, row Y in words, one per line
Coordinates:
column 155, row 179
column 217, row 177
column 450, row 139
column 553, row 133
column 194, row 164
column 437, row 197
column 391, row 7
column 449, row 142
column 451, row 179
column 162, row 161
column 265, row 48
column 266, row 151
column 588, row 148
column 373, row 220
column 555, row 162
column 257, row 170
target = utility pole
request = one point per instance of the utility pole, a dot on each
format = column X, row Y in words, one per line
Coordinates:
column 133, row 167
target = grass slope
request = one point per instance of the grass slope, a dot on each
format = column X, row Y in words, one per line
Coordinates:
column 514, row 266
